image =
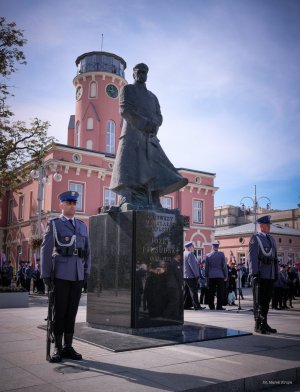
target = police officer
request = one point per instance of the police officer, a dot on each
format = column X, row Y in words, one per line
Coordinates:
column 263, row 266
column 216, row 272
column 191, row 272
column 66, row 250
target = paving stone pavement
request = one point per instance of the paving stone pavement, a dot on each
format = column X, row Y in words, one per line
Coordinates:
column 247, row 363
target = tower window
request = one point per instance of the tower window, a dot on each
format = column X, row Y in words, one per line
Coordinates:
column 77, row 134
column 89, row 144
column 110, row 137
column 90, row 123
column 93, row 90
column 77, row 187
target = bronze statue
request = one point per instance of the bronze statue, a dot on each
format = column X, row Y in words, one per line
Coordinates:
column 142, row 172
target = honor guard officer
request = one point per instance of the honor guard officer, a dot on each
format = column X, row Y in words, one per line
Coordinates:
column 263, row 266
column 216, row 272
column 65, row 256
column 191, row 273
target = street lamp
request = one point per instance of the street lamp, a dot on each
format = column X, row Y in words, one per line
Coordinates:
column 41, row 174
column 255, row 205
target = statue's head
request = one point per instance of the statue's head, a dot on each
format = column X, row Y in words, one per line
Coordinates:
column 140, row 72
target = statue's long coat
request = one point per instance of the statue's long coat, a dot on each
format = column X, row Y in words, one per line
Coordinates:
column 140, row 160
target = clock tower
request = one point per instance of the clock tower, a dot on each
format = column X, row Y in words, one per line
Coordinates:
column 97, row 123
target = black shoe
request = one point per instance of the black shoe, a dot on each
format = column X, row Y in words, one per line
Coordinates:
column 261, row 330
column 269, row 329
column 200, row 308
column 56, row 356
column 221, row 309
column 70, row 353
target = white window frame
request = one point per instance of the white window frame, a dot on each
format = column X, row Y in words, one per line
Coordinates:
column 78, row 187
column 89, row 144
column 90, row 124
column 167, row 202
column 77, row 134
column 111, row 137
column 197, row 211
column 21, row 207
column 109, row 198
column 93, row 89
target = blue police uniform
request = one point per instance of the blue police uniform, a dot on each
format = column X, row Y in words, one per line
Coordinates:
column 263, row 266
column 191, row 276
column 65, row 259
column 216, row 271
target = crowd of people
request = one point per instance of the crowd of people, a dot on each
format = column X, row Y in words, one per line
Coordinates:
column 26, row 276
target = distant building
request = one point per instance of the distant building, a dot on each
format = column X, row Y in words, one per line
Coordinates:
column 235, row 242
column 229, row 216
column 85, row 165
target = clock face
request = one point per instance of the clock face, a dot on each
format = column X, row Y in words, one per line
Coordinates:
column 79, row 91
column 112, row 91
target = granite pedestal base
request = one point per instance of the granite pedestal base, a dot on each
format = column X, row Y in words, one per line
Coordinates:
column 136, row 275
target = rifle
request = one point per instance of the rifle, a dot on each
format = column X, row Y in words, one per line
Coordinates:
column 50, row 335
column 49, row 319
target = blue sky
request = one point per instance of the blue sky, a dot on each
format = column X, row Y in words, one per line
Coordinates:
column 226, row 73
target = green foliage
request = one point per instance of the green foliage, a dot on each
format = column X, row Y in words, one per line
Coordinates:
column 19, row 144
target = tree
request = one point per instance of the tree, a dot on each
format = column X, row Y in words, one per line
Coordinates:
column 21, row 147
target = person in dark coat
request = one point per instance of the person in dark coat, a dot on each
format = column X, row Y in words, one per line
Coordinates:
column 67, row 240
column 263, row 266
column 142, row 172
column 174, row 288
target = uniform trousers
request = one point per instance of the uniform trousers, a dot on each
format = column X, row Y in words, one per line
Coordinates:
column 262, row 294
column 216, row 285
column 67, row 295
column 191, row 293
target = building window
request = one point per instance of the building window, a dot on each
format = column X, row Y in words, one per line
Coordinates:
column 109, row 198
column 77, row 134
column 90, row 123
column 89, row 144
column 199, row 254
column 93, row 90
column 10, row 211
column 21, row 207
column 166, row 202
column 110, row 136
column 76, row 187
column 197, row 211
column 241, row 258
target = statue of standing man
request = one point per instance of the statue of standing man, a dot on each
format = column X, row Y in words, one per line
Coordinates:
column 142, row 172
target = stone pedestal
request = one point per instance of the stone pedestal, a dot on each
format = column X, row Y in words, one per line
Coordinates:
column 135, row 282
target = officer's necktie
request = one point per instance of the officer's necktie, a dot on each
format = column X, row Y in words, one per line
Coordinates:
column 72, row 222
column 269, row 239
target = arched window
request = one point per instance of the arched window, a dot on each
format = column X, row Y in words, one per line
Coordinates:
column 89, row 144
column 93, row 90
column 90, row 123
column 77, row 134
column 110, row 136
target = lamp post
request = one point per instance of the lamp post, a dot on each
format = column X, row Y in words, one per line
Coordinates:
column 255, row 205
column 42, row 176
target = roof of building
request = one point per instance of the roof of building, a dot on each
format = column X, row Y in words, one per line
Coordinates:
column 250, row 227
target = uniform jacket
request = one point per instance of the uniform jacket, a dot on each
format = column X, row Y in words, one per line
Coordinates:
column 140, row 160
column 256, row 266
column 215, row 265
column 69, row 267
column 190, row 265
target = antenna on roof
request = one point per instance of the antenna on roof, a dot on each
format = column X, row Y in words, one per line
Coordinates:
column 101, row 42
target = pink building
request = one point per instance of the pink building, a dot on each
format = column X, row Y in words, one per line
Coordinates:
column 235, row 242
column 85, row 165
